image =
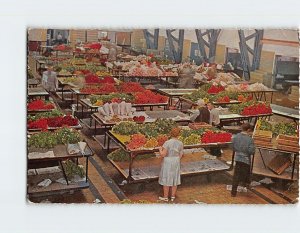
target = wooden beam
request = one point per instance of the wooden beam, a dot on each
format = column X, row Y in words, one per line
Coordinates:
column 280, row 42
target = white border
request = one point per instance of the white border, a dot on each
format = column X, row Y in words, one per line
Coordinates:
column 16, row 16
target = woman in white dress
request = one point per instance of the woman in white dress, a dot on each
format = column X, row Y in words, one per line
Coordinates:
column 169, row 177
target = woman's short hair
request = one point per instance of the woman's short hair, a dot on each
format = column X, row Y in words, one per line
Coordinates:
column 246, row 126
column 175, row 132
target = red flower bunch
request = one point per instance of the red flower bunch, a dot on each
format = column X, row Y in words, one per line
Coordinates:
column 93, row 46
column 243, row 98
column 224, row 99
column 39, row 105
column 137, row 141
column 54, row 122
column 107, row 79
column 148, row 97
column 131, row 87
column 213, row 137
column 85, row 72
column 61, row 47
column 92, row 78
column 139, row 119
column 103, row 89
column 38, row 124
column 256, row 109
column 215, row 89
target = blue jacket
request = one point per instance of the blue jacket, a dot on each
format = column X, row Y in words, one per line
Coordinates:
column 244, row 147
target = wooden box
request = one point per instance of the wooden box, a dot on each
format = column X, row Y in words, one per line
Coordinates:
column 279, row 163
column 199, row 125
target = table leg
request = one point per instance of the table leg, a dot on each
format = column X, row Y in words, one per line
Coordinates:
column 77, row 100
column 63, row 170
column 265, row 96
column 129, row 178
column 251, row 170
column 294, row 162
column 81, row 111
column 108, row 144
column 95, row 128
column 262, row 158
column 271, row 97
column 86, row 168
column 62, row 92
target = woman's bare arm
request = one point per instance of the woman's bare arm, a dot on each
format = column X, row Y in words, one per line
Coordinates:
column 162, row 151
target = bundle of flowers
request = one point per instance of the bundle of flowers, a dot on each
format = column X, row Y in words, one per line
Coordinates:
column 39, row 105
column 149, row 97
column 131, row 87
column 215, row 137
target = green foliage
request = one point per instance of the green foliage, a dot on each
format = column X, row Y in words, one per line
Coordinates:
column 49, row 139
column 107, row 98
column 72, row 169
column 198, row 94
column 125, row 128
column 122, row 156
column 285, row 129
column 53, row 113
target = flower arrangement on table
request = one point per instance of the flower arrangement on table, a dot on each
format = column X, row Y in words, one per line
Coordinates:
column 49, row 139
column 104, row 88
column 247, row 87
column 151, row 135
column 38, row 105
column 149, row 97
column 54, row 119
column 93, row 78
column 251, row 108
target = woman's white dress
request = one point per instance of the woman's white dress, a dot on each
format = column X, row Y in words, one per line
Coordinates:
column 170, row 169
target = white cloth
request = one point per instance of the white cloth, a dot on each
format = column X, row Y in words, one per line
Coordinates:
column 170, row 169
column 49, row 80
column 214, row 116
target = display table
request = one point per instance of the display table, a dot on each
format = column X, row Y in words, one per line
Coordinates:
column 32, row 83
column 193, row 104
column 59, row 154
column 227, row 117
column 175, row 93
column 259, row 163
column 137, row 174
column 64, row 85
column 38, row 92
column 150, row 116
column 286, row 112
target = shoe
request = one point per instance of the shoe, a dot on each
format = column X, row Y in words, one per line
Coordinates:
column 172, row 198
column 163, row 199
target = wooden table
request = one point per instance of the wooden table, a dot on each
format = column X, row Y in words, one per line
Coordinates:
column 129, row 175
column 38, row 92
column 32, row 83
column 228, row 117
column 59, row 154
column 175, row 93
column 193, row 104
column 150, row 116
column 63, row 86
column 286, row 112
column 258, row 165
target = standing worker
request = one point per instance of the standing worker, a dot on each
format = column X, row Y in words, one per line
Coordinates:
column 243, row 146
column 214, row 120
column 169, row 177
column 59, row 38
column 203, row 115
column 49, row 80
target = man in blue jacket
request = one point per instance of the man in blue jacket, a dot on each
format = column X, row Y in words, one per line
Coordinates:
column 243, row 146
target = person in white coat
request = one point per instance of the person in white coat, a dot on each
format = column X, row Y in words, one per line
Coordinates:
column 49, row 80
